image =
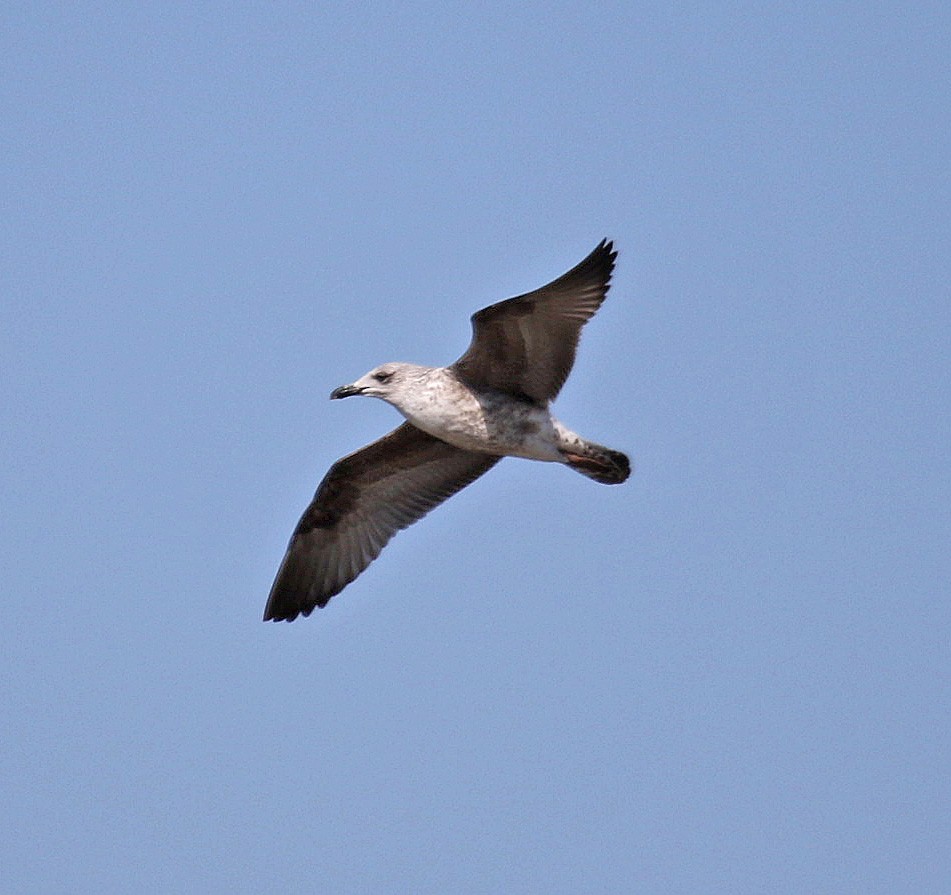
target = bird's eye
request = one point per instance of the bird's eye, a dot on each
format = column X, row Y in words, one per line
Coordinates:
column 382, row 376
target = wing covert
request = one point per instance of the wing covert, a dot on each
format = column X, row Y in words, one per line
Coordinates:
column 363, row 500
column 526, row 345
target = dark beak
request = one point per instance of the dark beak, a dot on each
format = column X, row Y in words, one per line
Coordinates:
column 345, row 391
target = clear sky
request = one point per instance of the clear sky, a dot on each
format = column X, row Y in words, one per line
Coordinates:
column 730, row 674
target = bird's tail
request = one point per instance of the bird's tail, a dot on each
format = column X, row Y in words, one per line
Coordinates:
column 598, row 462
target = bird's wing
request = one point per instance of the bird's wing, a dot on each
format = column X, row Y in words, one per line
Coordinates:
column 364, row 499
column 526, row 345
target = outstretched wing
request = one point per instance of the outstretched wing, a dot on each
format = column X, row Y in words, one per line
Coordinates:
column 526, row 345
column 361, row 503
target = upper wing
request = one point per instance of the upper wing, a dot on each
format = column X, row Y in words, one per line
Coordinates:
column 526, row 345
column 361, row 503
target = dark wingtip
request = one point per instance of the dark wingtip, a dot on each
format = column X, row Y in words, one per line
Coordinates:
column 605, row 249
column 285, row 607
column 286, row 602
column 600, row 263
column 274, row 613
column 286, row 614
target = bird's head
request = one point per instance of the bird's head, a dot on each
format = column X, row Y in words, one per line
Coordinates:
column 385, row 381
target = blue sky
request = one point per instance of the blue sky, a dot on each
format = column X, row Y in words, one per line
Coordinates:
column 730, row 674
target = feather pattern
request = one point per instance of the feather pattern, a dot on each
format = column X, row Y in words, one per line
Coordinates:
column 525, row 346
column 364, row 499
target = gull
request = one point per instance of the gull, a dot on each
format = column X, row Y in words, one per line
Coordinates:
column 493, row 402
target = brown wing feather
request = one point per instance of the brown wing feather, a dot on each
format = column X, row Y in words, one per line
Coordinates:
column 364, row 499
column 526, row 345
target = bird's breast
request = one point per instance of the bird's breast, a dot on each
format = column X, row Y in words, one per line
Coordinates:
column 489, row 423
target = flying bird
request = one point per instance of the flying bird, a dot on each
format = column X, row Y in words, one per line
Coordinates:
column 460, row 421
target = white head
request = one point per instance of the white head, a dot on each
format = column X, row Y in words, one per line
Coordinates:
column 388, row 381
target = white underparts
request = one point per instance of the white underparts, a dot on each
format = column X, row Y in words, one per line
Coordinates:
column 484, row 420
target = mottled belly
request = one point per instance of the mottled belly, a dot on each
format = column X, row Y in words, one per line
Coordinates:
column 518, row 431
